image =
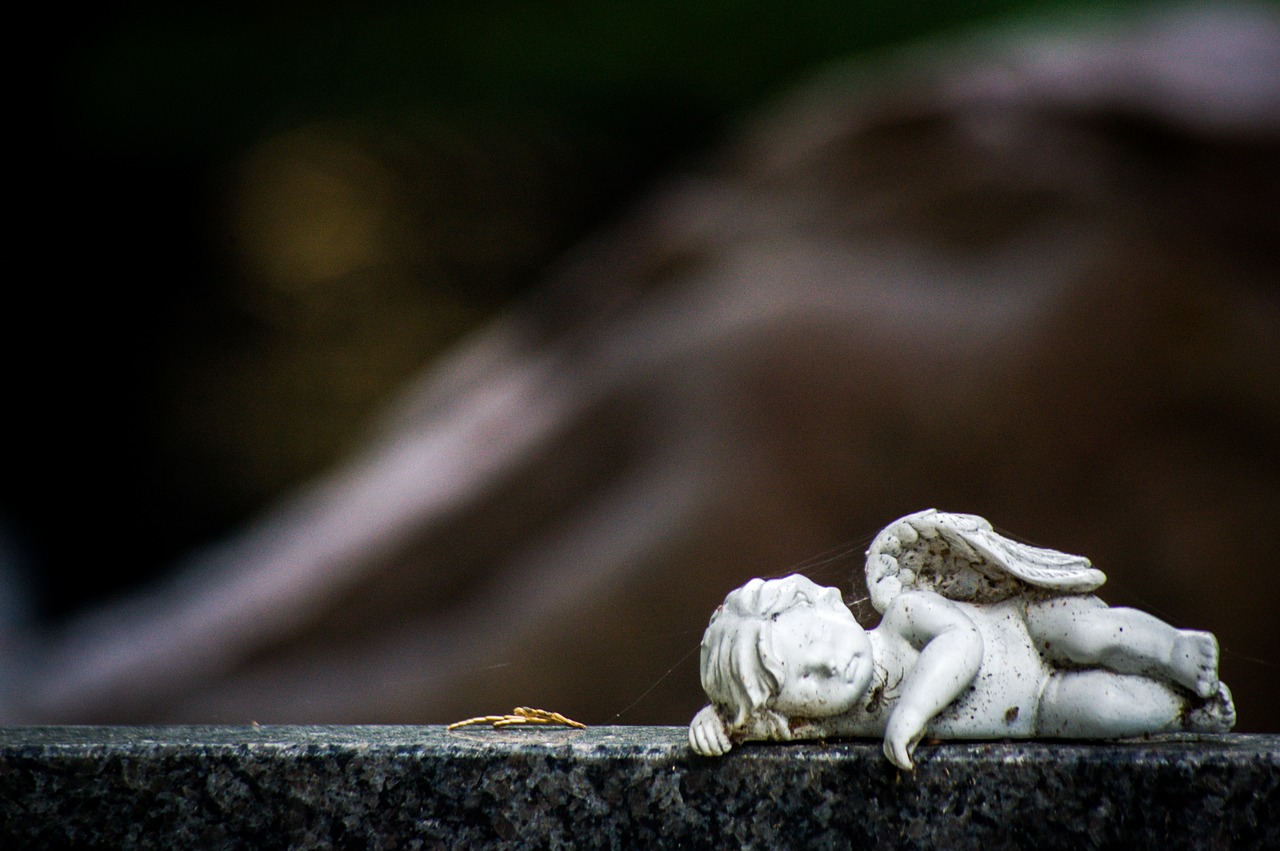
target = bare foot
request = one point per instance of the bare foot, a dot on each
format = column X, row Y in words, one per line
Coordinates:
column 1216, row 715
column 1193, row 662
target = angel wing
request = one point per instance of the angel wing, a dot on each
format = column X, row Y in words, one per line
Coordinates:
column 962, row 558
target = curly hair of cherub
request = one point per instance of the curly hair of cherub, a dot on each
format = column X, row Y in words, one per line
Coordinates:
column 740, row 673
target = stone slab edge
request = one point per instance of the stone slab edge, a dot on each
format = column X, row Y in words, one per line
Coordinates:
column 619, row 787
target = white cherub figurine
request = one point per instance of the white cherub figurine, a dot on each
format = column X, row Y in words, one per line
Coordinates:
column 981, row 637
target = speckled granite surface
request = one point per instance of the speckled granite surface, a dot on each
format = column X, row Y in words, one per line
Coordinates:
column 618, row 787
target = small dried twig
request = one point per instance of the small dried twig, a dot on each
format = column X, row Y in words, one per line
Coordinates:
column 520, row 716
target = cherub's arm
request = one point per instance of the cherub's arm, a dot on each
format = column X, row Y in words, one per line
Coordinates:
column 951, row 652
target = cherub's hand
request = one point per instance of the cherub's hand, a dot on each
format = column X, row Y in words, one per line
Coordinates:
column 903, row 733
column 707, row 733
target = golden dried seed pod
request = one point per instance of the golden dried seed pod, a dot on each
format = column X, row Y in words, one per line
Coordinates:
column 520, row 715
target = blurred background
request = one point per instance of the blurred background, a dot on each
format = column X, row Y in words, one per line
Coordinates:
column 400, row 362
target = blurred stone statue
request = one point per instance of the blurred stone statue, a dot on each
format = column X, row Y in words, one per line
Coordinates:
column 1033, row 273
column 982, row 637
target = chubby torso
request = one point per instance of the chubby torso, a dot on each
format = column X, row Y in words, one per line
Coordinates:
column 1001, row 702
column 1003, row 699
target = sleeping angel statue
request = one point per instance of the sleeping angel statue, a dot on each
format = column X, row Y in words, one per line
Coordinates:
column 980, row 637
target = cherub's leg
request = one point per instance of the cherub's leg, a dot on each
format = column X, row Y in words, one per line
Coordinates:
column 1082, row 630
column 1100, row 704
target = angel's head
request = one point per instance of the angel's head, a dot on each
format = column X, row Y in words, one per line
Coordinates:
column 788, row 646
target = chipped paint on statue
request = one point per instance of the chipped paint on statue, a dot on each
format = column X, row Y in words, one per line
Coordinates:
column 981, row 637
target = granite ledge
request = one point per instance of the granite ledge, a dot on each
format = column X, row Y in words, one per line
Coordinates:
column 619, row 787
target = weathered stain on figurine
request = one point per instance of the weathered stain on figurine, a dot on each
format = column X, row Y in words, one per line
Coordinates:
column 981, row 637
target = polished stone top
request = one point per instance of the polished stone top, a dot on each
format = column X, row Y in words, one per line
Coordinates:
column 619, row 787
